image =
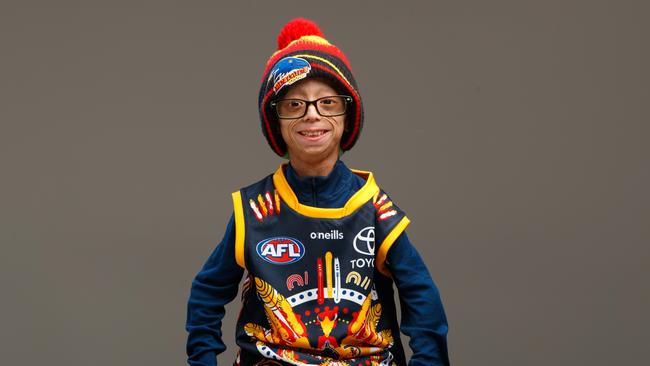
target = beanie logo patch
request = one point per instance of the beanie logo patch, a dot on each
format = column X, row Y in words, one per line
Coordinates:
column 288, row 71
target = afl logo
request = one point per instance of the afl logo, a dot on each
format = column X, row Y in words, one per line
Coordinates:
column 280, row 250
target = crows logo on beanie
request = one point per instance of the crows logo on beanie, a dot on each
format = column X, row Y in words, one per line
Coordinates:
column 287, row 71
column 303, row 52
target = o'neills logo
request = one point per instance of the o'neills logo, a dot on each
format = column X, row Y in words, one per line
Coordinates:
column 280, row 250
column 287, row 71
column 332, row 234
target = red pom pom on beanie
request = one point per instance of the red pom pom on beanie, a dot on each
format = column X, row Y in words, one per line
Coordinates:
column 295, row 29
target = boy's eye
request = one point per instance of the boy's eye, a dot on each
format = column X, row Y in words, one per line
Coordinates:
column 291, row 104
column 328, row 101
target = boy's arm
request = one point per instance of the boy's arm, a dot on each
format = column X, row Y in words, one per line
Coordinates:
column 423, row 316
column 213, row 287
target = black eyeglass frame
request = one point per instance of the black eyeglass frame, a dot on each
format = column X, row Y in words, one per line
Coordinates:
column 346, row 98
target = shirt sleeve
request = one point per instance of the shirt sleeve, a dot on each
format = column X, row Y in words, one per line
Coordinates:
column 214, row 286
column 423, row 316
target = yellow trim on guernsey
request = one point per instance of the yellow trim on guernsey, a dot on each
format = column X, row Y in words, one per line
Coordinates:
column 240, row 228
column 357, row 200
column 387, row 243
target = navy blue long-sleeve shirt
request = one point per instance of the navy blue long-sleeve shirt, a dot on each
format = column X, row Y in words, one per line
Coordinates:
column 423, row 317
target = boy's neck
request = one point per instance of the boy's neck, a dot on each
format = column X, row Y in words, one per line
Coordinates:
column 319, row 168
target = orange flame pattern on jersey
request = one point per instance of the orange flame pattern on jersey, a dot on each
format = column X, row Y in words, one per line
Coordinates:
column 383, row 204
column 289, row 333
column 263, row 206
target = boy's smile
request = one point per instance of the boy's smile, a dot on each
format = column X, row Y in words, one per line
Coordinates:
column 313, row 134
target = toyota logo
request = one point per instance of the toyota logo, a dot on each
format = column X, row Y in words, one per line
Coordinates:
column 364, row 242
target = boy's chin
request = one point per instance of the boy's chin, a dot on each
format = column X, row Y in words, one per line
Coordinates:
column 313, row 153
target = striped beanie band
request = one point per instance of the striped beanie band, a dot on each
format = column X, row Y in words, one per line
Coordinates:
column 303, row 52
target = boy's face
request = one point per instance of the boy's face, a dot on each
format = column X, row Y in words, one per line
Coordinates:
column 312, row 137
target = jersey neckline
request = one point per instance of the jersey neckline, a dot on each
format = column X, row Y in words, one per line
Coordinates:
column 358, row 199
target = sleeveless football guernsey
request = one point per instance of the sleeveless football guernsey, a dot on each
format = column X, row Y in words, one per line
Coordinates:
column 318, row 291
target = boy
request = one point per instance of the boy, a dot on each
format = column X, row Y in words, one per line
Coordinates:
column 322, row 245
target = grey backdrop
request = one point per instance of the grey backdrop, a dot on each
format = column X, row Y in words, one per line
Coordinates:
column 514, row 134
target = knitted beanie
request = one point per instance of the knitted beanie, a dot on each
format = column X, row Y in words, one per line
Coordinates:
column 303, row 52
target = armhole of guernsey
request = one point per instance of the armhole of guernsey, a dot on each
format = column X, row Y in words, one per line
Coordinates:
column 240, row 228
column 382, row 253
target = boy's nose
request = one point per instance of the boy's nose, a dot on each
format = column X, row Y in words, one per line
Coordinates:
column 311, row 114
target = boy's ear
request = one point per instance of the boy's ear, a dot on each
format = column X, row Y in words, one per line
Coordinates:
column 348, row 124
column 275, row 127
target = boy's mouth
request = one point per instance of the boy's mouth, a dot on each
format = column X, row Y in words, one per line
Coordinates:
column 312, row 133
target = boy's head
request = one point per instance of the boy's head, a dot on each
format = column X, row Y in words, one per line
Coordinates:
column 303, row 61
column 312, row 118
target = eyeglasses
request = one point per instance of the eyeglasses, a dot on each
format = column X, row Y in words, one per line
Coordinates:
column 331, row 106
